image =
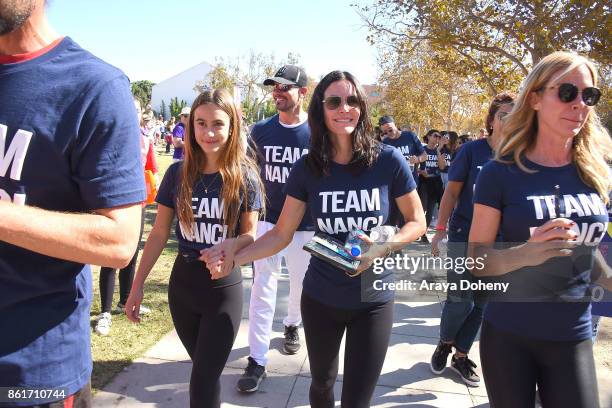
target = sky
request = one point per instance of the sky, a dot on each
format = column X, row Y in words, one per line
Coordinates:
column 157, row 39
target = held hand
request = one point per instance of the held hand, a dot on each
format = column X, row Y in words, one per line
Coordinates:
column 413, row 159
column 554, row 230
column 219, row 259
column 132, row 305
column 439, row 236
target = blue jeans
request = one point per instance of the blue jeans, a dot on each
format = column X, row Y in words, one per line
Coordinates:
column 462, row 315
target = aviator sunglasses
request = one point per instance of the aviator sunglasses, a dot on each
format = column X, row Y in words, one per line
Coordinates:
column 569, row 92
column 333, row 102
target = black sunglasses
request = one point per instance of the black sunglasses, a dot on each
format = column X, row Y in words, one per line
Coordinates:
column 333, row 102
column 569, row 92
column 283, row 88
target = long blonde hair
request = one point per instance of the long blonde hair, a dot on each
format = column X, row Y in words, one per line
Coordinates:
column 239, row 172
column 591, row 148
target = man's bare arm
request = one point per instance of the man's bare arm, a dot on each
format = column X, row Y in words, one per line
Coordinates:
column 107, row 237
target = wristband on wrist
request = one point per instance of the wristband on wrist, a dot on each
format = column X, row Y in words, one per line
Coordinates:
column 441, row 228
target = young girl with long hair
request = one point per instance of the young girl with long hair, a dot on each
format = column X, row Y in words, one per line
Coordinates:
column 347, row 180
column 216, row 194
column 545, row 194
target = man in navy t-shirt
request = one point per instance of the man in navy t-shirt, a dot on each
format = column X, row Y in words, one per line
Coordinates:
column 407, row 142
column 279, row 141
column 410, row 146
column 71, row 184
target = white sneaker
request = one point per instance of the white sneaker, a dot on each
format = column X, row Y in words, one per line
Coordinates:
column 120, row 309
column 103, row 324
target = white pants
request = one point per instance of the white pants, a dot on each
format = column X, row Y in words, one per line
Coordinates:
column 263, row 292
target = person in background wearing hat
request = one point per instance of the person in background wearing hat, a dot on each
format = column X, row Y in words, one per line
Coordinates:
column 178, row 134
column 409, row 145
column 406, row 141
column 71, row 184
column 279, row 141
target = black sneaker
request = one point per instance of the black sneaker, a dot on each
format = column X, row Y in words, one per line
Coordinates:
column 292, row 340
column 465, row 368
column 440, row 357
column 424, row 239
column 252, row 377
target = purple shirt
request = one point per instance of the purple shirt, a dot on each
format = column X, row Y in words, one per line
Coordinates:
column 179, row 133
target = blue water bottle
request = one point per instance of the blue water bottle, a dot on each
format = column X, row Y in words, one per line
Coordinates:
column 354, row 245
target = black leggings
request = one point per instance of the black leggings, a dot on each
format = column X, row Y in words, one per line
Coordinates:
column 367, row 339
column 430, row 192
column 126, row 276
column 207, row 321
column 564, row 371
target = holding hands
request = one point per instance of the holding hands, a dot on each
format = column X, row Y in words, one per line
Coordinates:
column 219, row 259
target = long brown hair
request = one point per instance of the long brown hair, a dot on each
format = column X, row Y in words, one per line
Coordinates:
column 591, row 146
column 239, row 173
column 365, row 146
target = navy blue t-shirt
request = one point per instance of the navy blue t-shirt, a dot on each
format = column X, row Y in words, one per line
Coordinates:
column 341, row 202
column 527, row 201
column 70, row 142
column 431, row 164
column 209, row 227
column 407, row 143
column 279, row 146
column 465, row 168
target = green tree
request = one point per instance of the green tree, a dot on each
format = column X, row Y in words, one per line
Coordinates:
column 496, row 40
column 224, row 75
column 176, row 106
column 162, row 110
column 142, row 91
column 419, row 91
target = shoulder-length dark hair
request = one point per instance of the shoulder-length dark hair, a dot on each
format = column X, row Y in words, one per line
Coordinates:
column 365, row 146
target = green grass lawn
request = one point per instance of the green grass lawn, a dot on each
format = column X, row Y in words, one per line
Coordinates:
column 128, row 341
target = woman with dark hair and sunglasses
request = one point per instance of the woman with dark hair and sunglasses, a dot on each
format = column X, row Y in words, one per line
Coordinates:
column 216, row 194
column 545, row 194
column 462, row 314
column 347, row 181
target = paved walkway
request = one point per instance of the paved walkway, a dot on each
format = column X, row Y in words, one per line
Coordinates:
column 161, row 377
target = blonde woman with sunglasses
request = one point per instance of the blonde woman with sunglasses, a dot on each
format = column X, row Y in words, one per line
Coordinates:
column 545, row 193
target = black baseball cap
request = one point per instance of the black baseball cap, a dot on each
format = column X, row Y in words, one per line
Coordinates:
column 385, row 119
column 289, row 75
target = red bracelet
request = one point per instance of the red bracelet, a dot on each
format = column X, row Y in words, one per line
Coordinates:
column 440, row 228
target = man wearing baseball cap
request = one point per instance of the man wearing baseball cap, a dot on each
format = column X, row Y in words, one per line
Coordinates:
column 279, row 141
column 408, row 144
column 178, row 134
